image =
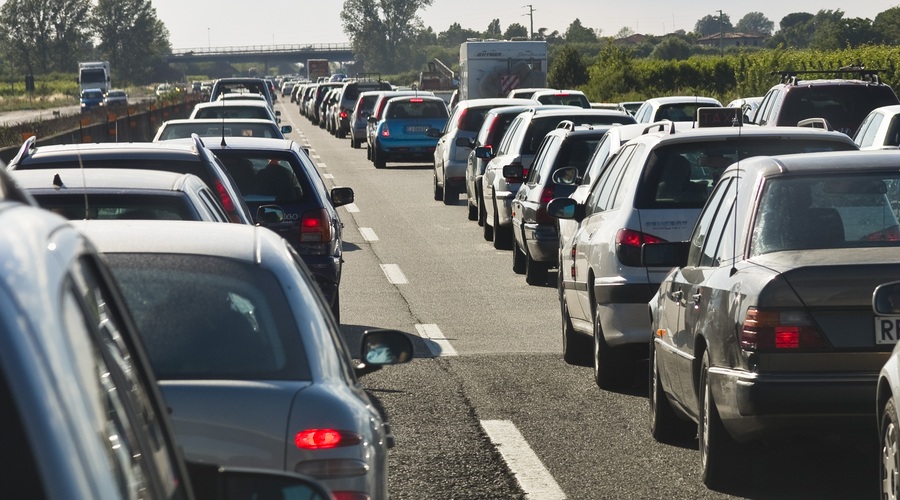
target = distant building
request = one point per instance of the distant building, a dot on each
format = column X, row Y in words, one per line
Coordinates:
column 732, row 40
column 635, row 39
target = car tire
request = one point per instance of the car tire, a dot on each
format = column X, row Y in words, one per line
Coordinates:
column 487, row 229
column 368, row 151
column 665, row 425
column 717, row 453
column 473, row 211
column 576, row 347
column 536, row 272
column 890, row 451
column 377, row 158
column 479, row 202
column 354, row 144
column 448, row 195
column 336, row 306
column 502, row 237
column 612, row 367
column 438, row 191
column 519, row 257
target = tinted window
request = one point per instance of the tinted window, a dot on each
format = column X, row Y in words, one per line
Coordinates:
column 415, row 108
column 211, row 317
column 542, row 125
column 696, row 254
column 232, row 111
column 162, row 206
column 843, row 106
column 184, row 130
column 565, row 100
column 265, row 176
column 174, row 165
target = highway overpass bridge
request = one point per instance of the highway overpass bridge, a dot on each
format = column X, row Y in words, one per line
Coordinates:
column 267, row 54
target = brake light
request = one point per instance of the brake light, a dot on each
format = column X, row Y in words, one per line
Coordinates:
column 541, row 216
column 780, row 331
column 628, row 245
column 324, row 439
column 315, row 227
column 224, row 197
column 462, row 119
column 343, row 114
column 889, row 234
column 416, row 99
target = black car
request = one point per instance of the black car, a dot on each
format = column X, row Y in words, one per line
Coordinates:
column 280, row 184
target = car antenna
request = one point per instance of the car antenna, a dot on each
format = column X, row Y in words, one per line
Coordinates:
column 223, row 124
column 738, row 122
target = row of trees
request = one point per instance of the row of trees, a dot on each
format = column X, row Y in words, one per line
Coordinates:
column 39, row 37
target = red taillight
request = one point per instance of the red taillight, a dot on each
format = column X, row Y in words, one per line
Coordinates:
column 323, row 439
column 417, row 99
column 890, row 234
column 462, row 119
column 385, row 132
column 541, row 216
column 224, row 197
column 779, row 331
column 315, row 227
column 628, row 245
column 343, row 114
column 349, row 495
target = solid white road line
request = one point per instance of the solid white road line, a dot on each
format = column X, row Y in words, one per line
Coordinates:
column 531, row 474
column 435, row 340
column 368, row 234
column 351, row 207
column 394, row 275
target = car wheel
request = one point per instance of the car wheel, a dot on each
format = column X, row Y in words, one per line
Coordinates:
column 502, row 237
column 482, row 213
column 448, row 195
column 354, row 144
column 336, row 306
column 487, row 229
column 576, row 348
column 518, row 259
column 717, row 453
column 377, row 157
column 438, row 192
column 890, row 452
column 535, row 271
column 665, row 425
column 612, row 368
column 368, row 151
column 473, row 211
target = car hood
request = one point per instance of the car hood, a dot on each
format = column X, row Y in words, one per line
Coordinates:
column 237, row 423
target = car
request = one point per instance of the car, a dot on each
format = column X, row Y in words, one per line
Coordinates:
column 191, row 157
column 535, row 234
column 764, row 326
column 278, row 175
column 247, row 96
column 115, row 98
column 314, row 101
column 241, row 84
column 452, row 150
column 880, row 129
column 841, row 103
column 378, row 109
column 749, row 105
column 886, row 306
column 518, row 146
column 496, row 121
column 562, row 97
column 652, row 192
column 329, row 110
column 114, row 193
column 250, row 361
column 525, row 93
column 221, row 127
column 674, row 108
column 350, row 96
column 242, row 108
column 164, row 88
column 359, row 117
column 91, row 99
column 402, row 132
column 80, row 403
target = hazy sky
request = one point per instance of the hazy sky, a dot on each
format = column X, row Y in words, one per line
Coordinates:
column 193, row 24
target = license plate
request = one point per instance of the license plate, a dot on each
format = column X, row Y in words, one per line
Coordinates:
column 887, row 329
column 416, row 128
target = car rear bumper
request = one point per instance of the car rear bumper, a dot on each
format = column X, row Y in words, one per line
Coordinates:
column 623, row 312
column 326, row 269
column 753, row 405
column 407, row 152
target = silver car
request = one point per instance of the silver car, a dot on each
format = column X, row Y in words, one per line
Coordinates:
column 251, row 363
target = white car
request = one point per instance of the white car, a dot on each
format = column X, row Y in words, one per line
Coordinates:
column 236, row 108
column 673, row 108
column 880, row 129
column 886, row 306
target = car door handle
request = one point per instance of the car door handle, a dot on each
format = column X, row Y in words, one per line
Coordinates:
column 677, row 295
column 696, row 298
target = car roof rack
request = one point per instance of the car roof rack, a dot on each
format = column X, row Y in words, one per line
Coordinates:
column 817, row 122
column 667, row 126
column 566, row 124
column 864, row 74
column 368, row 77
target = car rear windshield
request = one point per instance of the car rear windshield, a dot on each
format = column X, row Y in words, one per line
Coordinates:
column 207, row 317
column 232, row 111
column 266, row 177
column 416, row 108
column 195, row 167
column 473, row 119
column 827, row 211
column 184, row 130
column 542, row 125
column 78, row 206
column 565, row 99
column 681, row 112
column 682, row 175
column 844, row 106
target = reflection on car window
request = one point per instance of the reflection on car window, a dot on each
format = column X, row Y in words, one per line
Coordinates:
column 264, row 179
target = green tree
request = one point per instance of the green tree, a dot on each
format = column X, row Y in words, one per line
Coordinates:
column 493, row 30
column 382, row 32
column 672, row 48
column 713, row 25
column 515, row 30
column 551, row 38
column 796, row 31
column 456, row 35
column 132, row 38
column 755, row 22
column 40, row 36
column 568, row 69
column 577, row 33
column 887, row 24
column 625, row 32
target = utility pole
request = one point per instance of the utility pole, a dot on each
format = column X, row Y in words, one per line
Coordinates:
column 721, row 34
column 531, row 17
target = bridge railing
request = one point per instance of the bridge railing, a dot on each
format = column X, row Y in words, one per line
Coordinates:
column 259, row 49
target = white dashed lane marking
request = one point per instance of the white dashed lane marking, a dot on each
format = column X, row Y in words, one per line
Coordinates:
column 435, row 340
column 533, row 477
column 322, row 165
column 351, row 207
column 327, row 176
column 394, row 275
column 368, row 234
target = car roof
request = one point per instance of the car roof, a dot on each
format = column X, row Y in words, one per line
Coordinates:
column 840, row 162
column 241, row 142
column 711, row 133
column 207, row 121
column 682, row 99
column 100, row 178
column 569, row 110
column 117, row 150
column 492, row 102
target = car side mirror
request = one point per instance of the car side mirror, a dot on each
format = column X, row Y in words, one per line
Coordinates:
column 566, row 176
column 278, row 113
column 565, row 208
column 667, row 254
column 433, row 132
column 465, row 142
column 341, row 196
column 514, row 172
column 382, row 347
column 886, row 299
column 484, row 152
column 269, row 214
column 238, row 483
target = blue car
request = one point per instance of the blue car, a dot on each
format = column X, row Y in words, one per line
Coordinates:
column 409, row 130
column 90, row 99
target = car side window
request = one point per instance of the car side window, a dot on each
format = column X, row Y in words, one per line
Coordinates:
column 599, row 197
column 762, row 115
column 632, row 169
column 213, row 205
column 719, row 246
column 508, row 137
column 893, row 133
column 546, row 152
column 868, row 137
column 597, row 160
column 696, row 255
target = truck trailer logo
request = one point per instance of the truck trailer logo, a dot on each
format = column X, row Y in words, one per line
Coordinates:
column 488, row 54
